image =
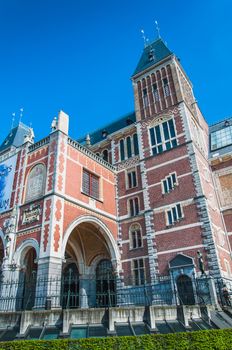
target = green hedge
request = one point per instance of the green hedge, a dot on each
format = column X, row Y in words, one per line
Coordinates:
column 201, row 340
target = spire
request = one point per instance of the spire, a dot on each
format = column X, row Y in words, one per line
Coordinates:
column 152, row 54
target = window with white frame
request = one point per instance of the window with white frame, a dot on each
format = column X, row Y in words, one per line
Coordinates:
column 135, row 144
column 145, row 98
column 135, row 236
column 174, row 214
column 166, row 87
column 128, row 147
column 122, row 150
column 163, row 137
column 138, row 271
column 90, row 184
column 134, row 206
column 169, row 183
column 155, row 92
column 131, row 179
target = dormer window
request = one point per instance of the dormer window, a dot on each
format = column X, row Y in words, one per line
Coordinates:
column 151, row 55
column 104, row 134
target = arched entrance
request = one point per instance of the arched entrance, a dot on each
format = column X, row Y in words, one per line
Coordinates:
column 105, row 284
column 89, row 245
column 185, row 290
column 28, row 277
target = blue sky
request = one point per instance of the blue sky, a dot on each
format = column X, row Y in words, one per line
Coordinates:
column 79, row 55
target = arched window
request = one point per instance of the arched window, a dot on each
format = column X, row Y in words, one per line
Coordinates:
column 35, row 182
column 128, row 146
column 134, row 206
column 105, row 155
column 135, row 144
column 105, row 284
column 135, row 236
column 122, row 151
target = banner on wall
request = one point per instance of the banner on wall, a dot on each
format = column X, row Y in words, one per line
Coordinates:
column 7, row 171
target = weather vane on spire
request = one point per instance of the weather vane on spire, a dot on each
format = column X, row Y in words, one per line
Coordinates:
column 145, row 39
column 20, row 114
column 12, row 120
column 157, row 29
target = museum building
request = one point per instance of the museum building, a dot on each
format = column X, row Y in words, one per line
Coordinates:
column 143, row 199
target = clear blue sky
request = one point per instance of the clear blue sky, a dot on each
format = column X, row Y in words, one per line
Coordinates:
column 78, row 55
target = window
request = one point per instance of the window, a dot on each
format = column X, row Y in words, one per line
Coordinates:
column 36, row 182
column 105, row 155
column 134, row 206
column 155, row 92
column 122, row 150
column 128, row 145
column 169, row 183
column 221, row 138
column 174, row 214
column 135, row 236
column 138, row 271
column 145, row 98
column 135, row 144
column 166, row 87
column 90, row 184
column 163, row 137
column 131, row 179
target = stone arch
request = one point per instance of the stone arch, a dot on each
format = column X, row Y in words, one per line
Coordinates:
column 111, row 243
column 23, row 248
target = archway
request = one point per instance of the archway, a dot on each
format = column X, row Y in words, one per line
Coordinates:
column 185, row 290
column 27, row 278
column 90, row 246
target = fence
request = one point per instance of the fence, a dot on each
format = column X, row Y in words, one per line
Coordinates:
column 224, row 291
column 73, row 292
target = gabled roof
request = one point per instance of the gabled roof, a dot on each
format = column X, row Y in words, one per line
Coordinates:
column 118, row 124
column 152, row 54
column 15, row 137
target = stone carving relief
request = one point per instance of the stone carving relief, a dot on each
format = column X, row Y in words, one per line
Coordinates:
column 35, row 182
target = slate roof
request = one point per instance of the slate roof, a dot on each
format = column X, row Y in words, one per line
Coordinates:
column 118, row 124
column 152, row 54
column 15, row 137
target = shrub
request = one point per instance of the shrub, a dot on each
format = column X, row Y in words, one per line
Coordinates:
column 202, row 340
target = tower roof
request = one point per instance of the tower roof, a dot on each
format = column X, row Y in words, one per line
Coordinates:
column 16, row 137
column 152, row 54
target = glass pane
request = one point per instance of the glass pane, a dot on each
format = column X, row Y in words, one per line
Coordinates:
column 174, row 178
column 136, row 146
column 165, row 186
column 122, row 152
column 179, row 211
column 166, row 132
column 134, row 179
column 128, row 143
column 129, row 180
column 158, row 135
column 152, row 135
column 169, row 183
column 169, row 217
column 171, row 128
column 174, row 214
column 168, row 145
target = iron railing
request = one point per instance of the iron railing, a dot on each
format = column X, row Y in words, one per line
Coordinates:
column 72, row 292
